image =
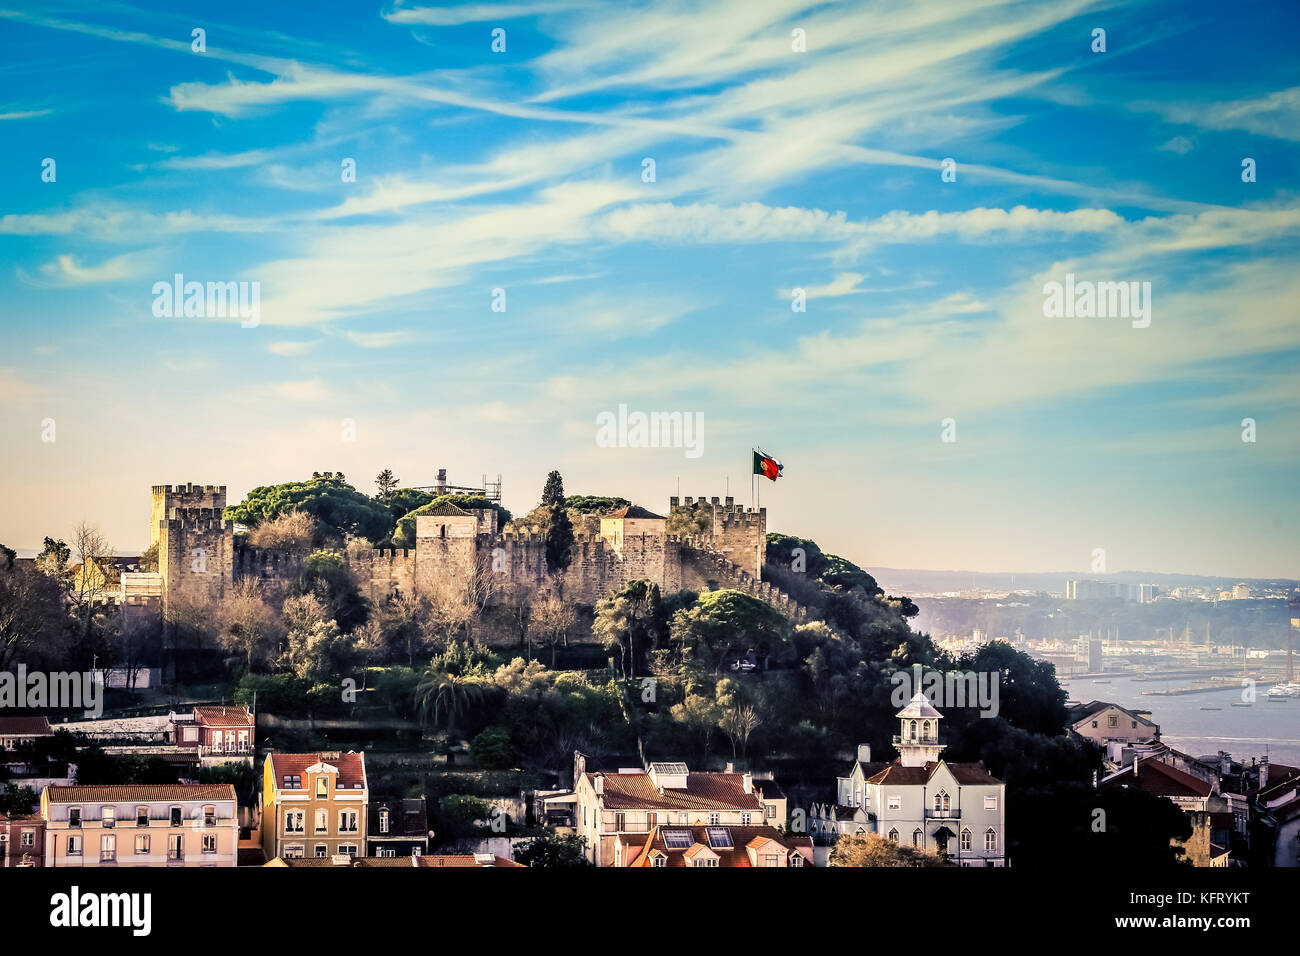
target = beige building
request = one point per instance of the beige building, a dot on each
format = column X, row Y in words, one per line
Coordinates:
column 314, row 805
column 1102, row 722
column 141, row 825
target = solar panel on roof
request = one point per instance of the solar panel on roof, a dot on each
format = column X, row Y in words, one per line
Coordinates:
column 678, row 839
column 669, row 767
column 719, row 837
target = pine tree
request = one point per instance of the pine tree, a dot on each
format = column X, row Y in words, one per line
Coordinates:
column 553, row 493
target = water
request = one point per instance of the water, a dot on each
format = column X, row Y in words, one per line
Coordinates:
column 1265, row 727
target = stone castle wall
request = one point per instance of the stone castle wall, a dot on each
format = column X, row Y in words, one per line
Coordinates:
column 195, row 555
column 738, row 532
column 167, row 498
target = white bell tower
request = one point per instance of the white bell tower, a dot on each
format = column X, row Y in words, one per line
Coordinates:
column 918, row 739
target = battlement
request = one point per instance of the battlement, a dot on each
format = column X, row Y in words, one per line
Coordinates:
column 190, row 490
column 195, row 519
column 723, row 509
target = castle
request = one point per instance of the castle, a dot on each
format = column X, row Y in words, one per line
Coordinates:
column 200, row 559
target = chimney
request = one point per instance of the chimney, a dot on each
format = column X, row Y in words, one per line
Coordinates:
column 1263, row 771
column 600, row 784
column 1135, row 766
column 748, row 782
column 864, row 753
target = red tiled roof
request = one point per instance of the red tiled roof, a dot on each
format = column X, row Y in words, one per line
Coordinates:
column 633, row 511
column 703, row 791
column 1158, row 778
column 141, row 792
column 463, row 860
column 223, row 716
column 734, row 856
column 351, row 767
column 24, row 726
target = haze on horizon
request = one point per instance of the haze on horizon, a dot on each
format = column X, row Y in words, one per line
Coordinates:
column 775, row 170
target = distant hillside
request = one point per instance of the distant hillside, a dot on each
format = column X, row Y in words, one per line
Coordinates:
column 911, row 581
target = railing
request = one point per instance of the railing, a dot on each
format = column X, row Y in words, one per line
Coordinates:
column 225, row 750
column 943, row 814
column 919, row 741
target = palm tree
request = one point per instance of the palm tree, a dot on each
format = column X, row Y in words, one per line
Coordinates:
column 440, row 694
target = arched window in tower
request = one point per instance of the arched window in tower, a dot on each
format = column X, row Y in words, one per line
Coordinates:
column 942, row 802
column 893, row 835
column 917, row 836
column 925, row 731
column 990, row 839
column 913, row 723
column 965, row 839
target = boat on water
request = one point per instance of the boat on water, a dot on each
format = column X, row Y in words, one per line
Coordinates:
column 1211, row 708
column 1240, row 703
column 1284, row 691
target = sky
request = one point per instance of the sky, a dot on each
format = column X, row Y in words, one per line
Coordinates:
column 462, row 261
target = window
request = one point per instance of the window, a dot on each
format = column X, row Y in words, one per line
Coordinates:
column 771, row 859
column 108, row 817
column 651, row 821
column 620, row 822
column 175, row 847
column 322, row 850
column 893, row 835
column 925, row 731
column 1135, row 723
column 917, row 838
column 710, row 862
column 771, row 811
column 990, row 839
column 796, row 859
column 745, row 819
column 1112, row 721
column 28, row 838
column 965, row 839
column 660, row 860
column 74, row 846
column 895, row 803
column 142, row 816
column 347, row 821
column 714, row 819
column 913, row 726
column 74, row 816
column 941, row 802
column 386, row 851
column 1094, row 725
column 209, row 816
column 349, row 848
column 990, row 803
column 108, row 847
column 322, row 821
column 293, row 851
column 322, row 787
column 176, row 816
column 292, row 781
column 682, row 818
column 383, row 821
column 293, row 821
column 142, row 843
column 209, row 843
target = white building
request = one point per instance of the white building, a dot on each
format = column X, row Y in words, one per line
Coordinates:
column 954, row 809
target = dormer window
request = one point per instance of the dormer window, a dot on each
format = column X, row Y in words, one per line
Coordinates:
column 322, row 787
column 383, row 821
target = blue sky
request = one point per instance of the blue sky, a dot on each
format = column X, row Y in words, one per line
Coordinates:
column 775, row 170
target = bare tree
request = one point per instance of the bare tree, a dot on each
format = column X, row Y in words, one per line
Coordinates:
column 403, row 622
column 482, row 584
column 97, row 574
column 247, row 623
column 553, row 616
column 291, row 531
column 449, row 611
column 738, row 723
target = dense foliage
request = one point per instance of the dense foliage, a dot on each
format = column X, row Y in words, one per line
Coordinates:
column 339, row 509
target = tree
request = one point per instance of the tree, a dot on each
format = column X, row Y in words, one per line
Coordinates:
column 738, row 723
column 868, row 849
column 247, row 623
column 559, row 540
column 441, row 695
column 722, row 625
column 553, row 490
column 626, row 621
column 492, row 748
column 96, row 575
column 328, row 576
column 340, row 510
column 402, row 621
column 386, row 482
column 448, row 610
column 54, row 557
column 149, row 559
column 552, row 849
column 553, row 617
column 404, row 533
column 32, row 618
column 288, row 531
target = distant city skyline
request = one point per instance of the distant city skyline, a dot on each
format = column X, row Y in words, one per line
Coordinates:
column 914, row 175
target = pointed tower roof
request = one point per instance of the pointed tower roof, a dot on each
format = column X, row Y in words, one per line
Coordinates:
column 919, row 706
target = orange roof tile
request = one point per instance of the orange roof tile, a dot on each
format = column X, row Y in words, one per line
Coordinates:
column 142, row 792
column 351, row 767
column 703, row 791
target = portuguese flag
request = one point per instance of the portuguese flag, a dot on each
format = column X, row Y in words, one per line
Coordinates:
column 767, row 466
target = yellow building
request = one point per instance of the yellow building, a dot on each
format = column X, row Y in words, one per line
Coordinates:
column 173, row 824
column 314, row 805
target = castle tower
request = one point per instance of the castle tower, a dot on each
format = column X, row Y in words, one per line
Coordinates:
column 735, row 531
column 446, row 544
column 195, row 554
column 167, row 498
column 918, row 740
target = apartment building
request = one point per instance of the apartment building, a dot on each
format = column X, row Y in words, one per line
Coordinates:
column 314, row 805
column 141, row 825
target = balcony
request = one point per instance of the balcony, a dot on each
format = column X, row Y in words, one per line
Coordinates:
column 943, row 814
column 919, row 741
column 226, row 750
